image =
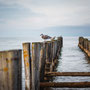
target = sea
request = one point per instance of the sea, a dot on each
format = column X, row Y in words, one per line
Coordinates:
column 71, row 59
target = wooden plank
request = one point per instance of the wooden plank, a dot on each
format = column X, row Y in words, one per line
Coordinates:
column 1, row 72
column 5, row 70
column 10, row 79
column 65, row 84
column 27, row 64
column 48, row 74
column 13, row 60
column 53, row 55
column 48, row 55
column 89, row 48
column 35, row 66
column 42, row 61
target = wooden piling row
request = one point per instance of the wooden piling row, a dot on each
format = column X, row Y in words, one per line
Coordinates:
column 10, row 70
column 41, row 58
column 53, row 49
column 84, row 44
column 38, row 57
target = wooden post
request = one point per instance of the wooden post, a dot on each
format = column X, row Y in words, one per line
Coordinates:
column 53, row 52
column 10, row 70
column 35, row 66
column 47, row 49
column 81, row 43
column 56, row 52
column 80, row 40
column 58, row 48
column 86, row 44
column 52, row 58
column 42, row 61
column 48, row 56
column 88, row 48
column 27, row 64
column 55, row 49
column 61, row 41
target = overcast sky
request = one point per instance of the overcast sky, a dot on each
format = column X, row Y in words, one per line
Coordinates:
column 39, row 14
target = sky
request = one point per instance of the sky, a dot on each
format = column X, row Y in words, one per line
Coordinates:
column 27, row 18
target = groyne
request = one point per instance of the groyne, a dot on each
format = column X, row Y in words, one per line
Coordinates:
column 84, row 45
column 40, row 58
column 40, row 61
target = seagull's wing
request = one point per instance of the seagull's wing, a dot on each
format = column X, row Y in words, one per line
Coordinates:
column 47, row 36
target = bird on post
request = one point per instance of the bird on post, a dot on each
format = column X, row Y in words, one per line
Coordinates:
column 45, row 37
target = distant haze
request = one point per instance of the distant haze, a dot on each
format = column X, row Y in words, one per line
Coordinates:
column 30, row 18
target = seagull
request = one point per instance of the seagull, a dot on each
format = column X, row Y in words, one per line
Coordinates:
column 45, row 37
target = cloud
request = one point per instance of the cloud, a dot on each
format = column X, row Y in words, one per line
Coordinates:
column 36, row 14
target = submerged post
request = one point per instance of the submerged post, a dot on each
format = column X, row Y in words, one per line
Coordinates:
column 27, row 64
column 10, row 70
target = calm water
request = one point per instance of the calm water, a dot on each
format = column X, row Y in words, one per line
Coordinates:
column 72, row 59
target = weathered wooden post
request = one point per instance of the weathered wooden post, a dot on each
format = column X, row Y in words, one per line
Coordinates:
column 59, row 44
column 56, row 51
column 53, row 55
column 58, row 48
column 89, row 45
column 86, row 44
column 61, row 41
column 35, row 66
column 47, row 48
column 42, row 61
column 89, row 48
column 48, row 56
column 52, row 52
column 81, row 42
column 10, row 70
column 27, row 64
